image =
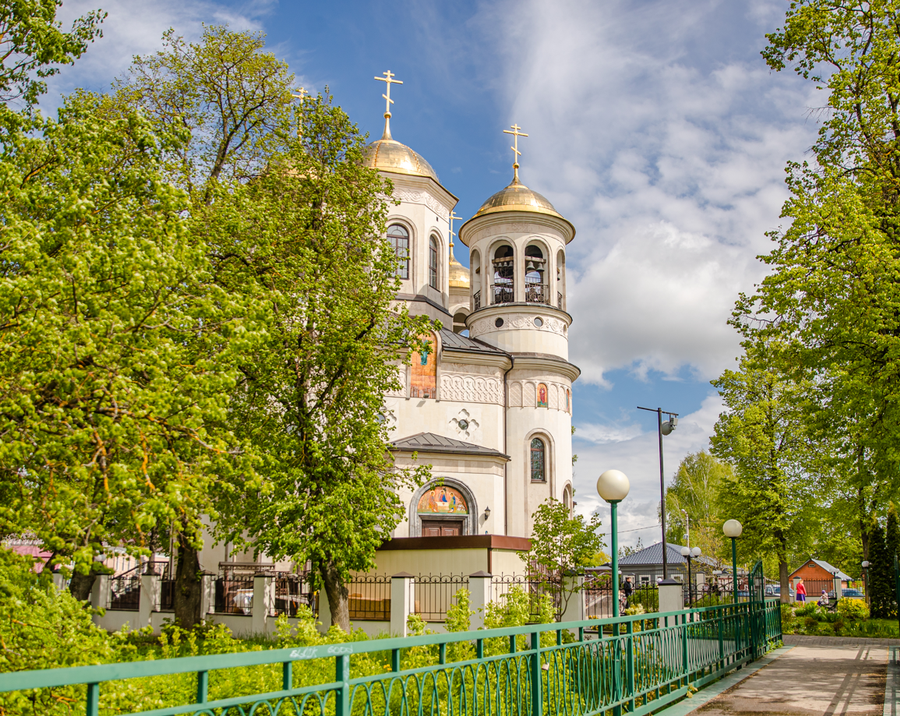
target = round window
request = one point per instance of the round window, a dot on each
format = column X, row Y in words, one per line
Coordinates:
column 498, row 322
column 463, row 424
column 538, row 322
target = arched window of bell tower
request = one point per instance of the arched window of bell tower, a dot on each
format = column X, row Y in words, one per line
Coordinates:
column 433, row 262
column 567, row 499
column 535, row 275
column 399, row 238
column 503, row 288
column 475, row 274
column 561, row 280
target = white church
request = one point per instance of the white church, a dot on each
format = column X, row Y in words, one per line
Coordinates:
column 489, row 405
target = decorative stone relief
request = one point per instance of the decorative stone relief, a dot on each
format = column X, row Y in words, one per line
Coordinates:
column 465, row 424
column 464, row 369
column 529, row 400
column 515, row 395
column 403, row 371
column 471, row 389
column 519, row 321
column 523, row 394
column 421, row 197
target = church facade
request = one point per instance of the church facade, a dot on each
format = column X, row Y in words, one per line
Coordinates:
column 489, row 404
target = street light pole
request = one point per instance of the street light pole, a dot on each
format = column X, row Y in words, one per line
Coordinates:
column 732, row 530
column 613, row 486
column 664, row 428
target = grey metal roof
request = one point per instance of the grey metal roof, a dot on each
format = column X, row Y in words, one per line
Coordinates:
column 458, row 342
column 652, row 555
column 831, row 570
column 429, row 442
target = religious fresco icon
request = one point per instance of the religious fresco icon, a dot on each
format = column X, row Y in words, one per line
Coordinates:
column 542, row 396
column 443, row 500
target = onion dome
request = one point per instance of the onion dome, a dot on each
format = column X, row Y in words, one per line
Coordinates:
column 518, row 197
column 389, row 155
column 459, row 274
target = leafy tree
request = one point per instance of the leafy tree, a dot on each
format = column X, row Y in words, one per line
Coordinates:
column 831, row 297
column 628, row 551
column 230, row 99
column 695, row 491
column 763, row 438
column 881, row 575
column 562, row 545
column 32, row 45
column 230, row 102
column 107, row 390
column 308, row 237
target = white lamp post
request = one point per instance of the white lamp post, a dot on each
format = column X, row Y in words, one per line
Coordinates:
column 732, row 530
column 613, row 486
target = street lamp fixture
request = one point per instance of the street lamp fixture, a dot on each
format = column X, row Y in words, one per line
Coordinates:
column 732, row 530
column 865, row 566
column 690, row 554
column 665, row 428
column 613, row 486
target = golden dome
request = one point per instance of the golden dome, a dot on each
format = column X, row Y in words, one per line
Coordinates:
column 517, row 197
column 459, row 274
column 389, row 155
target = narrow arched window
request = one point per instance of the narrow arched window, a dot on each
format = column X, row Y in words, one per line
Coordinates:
column 433, row 263
column 504, row 273
column 538, row 463
column 399, row 237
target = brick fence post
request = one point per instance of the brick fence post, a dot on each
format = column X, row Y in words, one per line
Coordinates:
column 402, row 602
column 481, row 594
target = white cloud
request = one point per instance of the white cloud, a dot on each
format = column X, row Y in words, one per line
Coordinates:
column 660, row 133
column 636, row 453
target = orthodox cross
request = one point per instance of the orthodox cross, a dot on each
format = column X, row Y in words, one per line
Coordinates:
column 516, row 153
column 389, row 80
column 301, row 96
column 452, row 217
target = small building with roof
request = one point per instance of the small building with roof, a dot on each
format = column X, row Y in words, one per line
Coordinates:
column 645, row 566
column 817, row 574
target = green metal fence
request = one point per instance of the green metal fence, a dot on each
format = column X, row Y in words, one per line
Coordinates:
column 627, row 665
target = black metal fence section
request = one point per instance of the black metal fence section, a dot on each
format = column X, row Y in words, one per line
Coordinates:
column 434, row 594
column 534, row 587
column 167, row 595
column 124, row 593
column 234, row 593
column 292, row 590
column 370, row 598
column 598, row 598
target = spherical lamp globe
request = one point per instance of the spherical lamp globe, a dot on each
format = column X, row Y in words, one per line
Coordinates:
column 695, row 552
column 613, row 486
column 685, row 551
column 732, row 529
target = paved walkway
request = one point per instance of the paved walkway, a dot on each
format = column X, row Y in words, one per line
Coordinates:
column 809, row 676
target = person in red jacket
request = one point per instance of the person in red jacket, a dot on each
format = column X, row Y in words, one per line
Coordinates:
column 801, row 591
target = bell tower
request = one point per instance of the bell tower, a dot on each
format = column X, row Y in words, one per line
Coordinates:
column 517, row 269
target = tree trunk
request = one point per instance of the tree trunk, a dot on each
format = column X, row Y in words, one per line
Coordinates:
column 188, row 585
column 337, row 594
column 81, row 584
column 783, row 581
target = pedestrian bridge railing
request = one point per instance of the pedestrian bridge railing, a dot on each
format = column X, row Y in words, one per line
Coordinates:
column 633, row 665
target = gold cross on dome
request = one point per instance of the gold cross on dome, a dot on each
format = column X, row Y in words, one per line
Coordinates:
column 516, row 153
column 389, row 80
column 302, row 95
column 452, row 234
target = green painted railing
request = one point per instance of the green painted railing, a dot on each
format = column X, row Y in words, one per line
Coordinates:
column 627, row 665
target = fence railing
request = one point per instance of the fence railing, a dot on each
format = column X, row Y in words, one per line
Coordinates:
column 633, row 664
column 433, row 595
column 502, row 585
column 234, row 594
column 369, row 598
column 124, row 593
column 167, row 595
column 292, row 590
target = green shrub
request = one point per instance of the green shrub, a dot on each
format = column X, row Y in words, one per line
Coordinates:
column 852, row 609
column 806, row 610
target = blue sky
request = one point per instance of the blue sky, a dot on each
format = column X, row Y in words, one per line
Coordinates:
column 654, row 126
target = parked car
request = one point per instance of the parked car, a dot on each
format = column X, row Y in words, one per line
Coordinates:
column 774, row 590
column 848, row 593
